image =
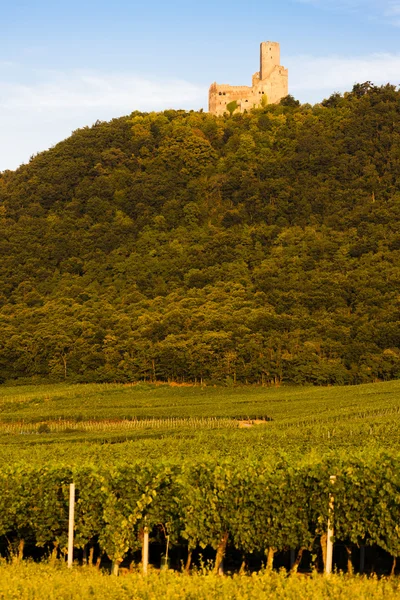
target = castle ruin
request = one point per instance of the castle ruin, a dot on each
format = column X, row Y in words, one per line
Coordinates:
column 269, row 85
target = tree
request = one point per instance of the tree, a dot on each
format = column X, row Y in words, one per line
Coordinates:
column 289, row 100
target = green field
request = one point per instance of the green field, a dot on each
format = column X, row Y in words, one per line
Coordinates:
column 80, row 423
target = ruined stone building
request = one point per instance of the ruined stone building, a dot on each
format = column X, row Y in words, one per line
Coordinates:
column 269, row 85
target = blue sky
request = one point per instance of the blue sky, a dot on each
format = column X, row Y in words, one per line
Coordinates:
column 64, row 65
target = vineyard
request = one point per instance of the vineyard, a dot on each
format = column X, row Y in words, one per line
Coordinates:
column 257, row 507
column 111, row 423
column 239, row 475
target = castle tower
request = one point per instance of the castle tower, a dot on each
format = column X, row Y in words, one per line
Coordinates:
column 269, row 85
column 270, row 57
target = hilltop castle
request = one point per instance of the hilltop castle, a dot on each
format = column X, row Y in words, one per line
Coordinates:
column 269, row 85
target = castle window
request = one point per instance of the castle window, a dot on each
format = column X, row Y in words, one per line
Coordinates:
column 246, row 100
column 263, row 92
column 220, row 93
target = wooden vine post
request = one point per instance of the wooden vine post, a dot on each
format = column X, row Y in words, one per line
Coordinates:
column 330, row 532
column 145, row 550
column 71, row 524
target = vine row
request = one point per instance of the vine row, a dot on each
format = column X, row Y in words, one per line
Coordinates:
column 254, row 506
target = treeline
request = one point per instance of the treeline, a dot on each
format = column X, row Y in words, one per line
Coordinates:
column 251, row 507
column 257, row 248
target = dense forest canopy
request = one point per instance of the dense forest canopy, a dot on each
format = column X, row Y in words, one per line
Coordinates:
column 262, row 247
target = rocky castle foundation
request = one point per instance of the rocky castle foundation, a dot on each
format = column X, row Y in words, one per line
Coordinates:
column 269, row 85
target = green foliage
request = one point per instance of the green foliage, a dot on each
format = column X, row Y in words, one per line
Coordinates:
column 289, row 100
column 258, row 248
column 257, row 504
column 43, row 428
column 232, row 106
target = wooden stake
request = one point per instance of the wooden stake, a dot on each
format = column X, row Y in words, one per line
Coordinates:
column 115, row 567
column 330, row 532
column 145, row 550
column 71, row 524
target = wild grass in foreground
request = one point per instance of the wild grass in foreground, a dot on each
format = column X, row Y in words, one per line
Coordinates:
column 29, row 581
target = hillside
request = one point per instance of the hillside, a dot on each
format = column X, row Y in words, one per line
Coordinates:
column 256, row 248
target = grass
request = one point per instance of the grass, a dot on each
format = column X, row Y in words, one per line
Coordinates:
column 31, row 581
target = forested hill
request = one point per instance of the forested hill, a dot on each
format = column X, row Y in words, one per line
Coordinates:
column 262, row 247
